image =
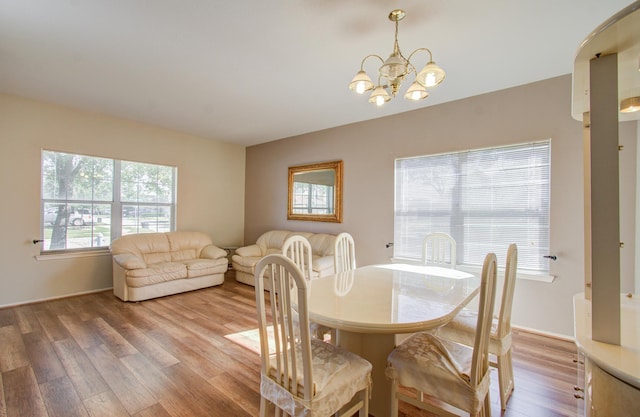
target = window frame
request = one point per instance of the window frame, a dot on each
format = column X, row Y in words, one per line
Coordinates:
column 116, row 204
column 400, row 238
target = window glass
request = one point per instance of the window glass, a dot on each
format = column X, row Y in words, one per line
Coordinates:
column 82, row 210
column 312, row 198
column 485, row 199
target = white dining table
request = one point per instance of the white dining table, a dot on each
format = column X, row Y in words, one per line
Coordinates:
column 370, row 305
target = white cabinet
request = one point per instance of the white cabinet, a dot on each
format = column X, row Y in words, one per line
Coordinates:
column 611, row 372
column 606, row 395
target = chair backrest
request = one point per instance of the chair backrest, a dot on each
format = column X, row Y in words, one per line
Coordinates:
column 344, row 253
column 439, row 249
column 480, row 358
column 504, row 317
column 298, row 249
column 288, row 360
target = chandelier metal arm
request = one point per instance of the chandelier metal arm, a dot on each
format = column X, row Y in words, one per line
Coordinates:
column 367, row 57
column 421, row 49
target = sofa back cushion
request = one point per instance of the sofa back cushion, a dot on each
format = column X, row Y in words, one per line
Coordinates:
column 272, row 241
column 151, row 247
column 322, row 244
column 156, row 248
column 187, row 245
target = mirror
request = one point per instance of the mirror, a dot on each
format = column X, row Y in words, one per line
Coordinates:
column 315, row 192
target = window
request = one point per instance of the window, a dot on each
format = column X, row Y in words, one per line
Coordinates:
column 89, row 201
column 486, row 199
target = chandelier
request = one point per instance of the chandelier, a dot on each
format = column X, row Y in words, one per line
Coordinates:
column 394, row 70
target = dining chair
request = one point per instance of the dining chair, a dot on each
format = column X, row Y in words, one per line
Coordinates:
column 298, row 249
column 300, row 375
column 344, row 253
column 439, row 249
column 461, row 329
column 439, row 369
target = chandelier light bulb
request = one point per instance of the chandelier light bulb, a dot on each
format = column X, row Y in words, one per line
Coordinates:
column 431, row 75
column 379, row 96
column 431, row 79
column 361, row 83
column 416, row 92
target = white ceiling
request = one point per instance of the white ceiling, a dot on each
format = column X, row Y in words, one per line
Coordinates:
column 253, row 71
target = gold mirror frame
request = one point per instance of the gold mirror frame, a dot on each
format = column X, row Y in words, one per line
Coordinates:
column 336, row 167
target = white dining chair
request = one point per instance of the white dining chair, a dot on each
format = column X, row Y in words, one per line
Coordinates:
column 439, row 249
column 462, row 329
column 344, row 253
column 446, row 371
column 300, row 375
column 298, row 249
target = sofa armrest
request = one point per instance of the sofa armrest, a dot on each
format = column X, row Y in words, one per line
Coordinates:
column 213, row 252
column 129, row 261
column 251, row 250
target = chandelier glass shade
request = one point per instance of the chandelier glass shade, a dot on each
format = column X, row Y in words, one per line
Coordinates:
column 393, row 71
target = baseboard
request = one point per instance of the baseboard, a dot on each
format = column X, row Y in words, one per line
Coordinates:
column 544, row 333
column 40, row 300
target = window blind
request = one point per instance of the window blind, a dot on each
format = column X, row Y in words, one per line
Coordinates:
column 485, row 198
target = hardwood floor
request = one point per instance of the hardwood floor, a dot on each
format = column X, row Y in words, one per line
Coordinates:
column 192, row 355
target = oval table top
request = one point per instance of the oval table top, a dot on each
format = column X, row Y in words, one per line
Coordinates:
column 390, row 298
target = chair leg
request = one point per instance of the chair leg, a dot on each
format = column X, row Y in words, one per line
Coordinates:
column 394, row 398
column 505, row 378
column 263, row 407
column 364, row 411
column 486, row 407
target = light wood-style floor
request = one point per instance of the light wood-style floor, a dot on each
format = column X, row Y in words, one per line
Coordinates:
column 192, row 355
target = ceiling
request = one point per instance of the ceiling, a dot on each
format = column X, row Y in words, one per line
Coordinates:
column 253, row 71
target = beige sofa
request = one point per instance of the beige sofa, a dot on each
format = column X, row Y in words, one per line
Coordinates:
column 150, row 265
column 245, row 258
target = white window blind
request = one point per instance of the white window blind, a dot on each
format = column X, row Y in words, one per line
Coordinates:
column 486, row 199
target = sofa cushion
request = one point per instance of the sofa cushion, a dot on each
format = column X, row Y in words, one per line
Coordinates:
column 153, row 248
column 156, row 273
column 322, row 244
column 322, row 264
column 248, row 251
column 129, row 261
column 186, row 245
column 213, row 252
column 199, row 267
column 272, row 239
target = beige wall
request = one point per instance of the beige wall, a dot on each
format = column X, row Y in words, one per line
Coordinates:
column 210, row 189
column 527, row 113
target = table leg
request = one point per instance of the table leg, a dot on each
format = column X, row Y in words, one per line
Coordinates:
column 375, row 348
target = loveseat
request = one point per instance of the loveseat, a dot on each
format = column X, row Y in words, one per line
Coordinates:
column 150, row 265
column 245, row 258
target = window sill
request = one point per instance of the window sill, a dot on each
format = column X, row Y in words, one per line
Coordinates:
column 476, row 270
column 69, row 255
